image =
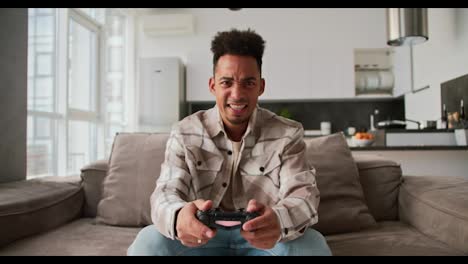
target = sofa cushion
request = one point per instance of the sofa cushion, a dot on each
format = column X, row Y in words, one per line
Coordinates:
column 78, row 238
column 380, row 179
column 134, row 167
column 436, row 206
column 390, row 238
column 342, row 205
column 37, row 205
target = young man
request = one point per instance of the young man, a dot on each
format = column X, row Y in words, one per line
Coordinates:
column 233, row 156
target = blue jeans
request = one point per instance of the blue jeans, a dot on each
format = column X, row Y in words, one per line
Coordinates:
column 149, row 242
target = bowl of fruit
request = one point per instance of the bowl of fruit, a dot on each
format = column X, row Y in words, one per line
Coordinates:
column 363, row 139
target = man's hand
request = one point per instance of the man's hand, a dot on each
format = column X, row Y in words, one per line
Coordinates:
column 263, row 231
column 190, row 231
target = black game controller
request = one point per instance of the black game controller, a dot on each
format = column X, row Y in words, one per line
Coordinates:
column 212, row 217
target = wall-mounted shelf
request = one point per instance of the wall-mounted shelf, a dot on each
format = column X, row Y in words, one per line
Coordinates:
column 373, row 70
column 373, row 59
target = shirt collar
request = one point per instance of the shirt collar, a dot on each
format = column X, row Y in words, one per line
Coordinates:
column 215, row 122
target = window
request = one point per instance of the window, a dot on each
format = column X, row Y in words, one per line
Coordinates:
column 82, row 143
column 115, row 92
column 76, row 87
column 82, row 66
column 42, row 107
column 98, row 14
column 83, row 70
column 41, row 56
column 41, row 145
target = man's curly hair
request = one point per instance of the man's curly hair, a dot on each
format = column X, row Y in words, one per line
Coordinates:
column 236, row 42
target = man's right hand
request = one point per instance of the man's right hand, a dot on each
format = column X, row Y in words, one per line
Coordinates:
column 190, row 231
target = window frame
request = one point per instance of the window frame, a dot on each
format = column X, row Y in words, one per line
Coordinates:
column 54, row 115
column 92, row 117
column 62, row 113
column 86, row 21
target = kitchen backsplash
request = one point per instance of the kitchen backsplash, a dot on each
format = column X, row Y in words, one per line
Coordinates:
column 453, row 91
column 341, row 113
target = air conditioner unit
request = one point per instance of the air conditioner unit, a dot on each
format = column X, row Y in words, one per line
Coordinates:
column 168, row 24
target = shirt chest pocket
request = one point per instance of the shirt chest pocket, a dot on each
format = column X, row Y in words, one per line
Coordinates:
column 204, row 167
column 262, row 165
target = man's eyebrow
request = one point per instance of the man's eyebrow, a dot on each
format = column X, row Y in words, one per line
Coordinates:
column 224, row 78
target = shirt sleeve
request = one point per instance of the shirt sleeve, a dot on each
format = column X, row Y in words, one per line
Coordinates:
column 172, row 187
column 299, row 195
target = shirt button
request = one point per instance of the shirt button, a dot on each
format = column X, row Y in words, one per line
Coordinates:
column 229, row 152
column 224, row 184
column 199, row 163
column 262, row 169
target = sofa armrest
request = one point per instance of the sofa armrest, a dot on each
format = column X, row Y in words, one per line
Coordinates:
column 437, row 207
column 93, row 176
column 33, row 206
column 380, row 180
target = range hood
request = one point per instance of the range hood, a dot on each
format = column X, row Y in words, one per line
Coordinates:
column 406, row 26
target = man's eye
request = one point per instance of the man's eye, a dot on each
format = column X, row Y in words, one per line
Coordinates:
column 249, row 84
column 225, row 83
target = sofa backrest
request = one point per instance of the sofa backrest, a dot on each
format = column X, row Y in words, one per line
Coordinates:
column 134, row 166
column 126, row 193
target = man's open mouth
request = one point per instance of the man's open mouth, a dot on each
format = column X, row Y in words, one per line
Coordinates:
column 237, row 107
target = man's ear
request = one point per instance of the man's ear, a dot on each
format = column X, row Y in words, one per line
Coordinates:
column 262, row 87
column 211, row 86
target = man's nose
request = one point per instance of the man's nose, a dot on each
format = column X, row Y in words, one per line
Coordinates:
column 236, row 91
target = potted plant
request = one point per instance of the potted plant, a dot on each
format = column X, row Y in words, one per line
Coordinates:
column 284, row 112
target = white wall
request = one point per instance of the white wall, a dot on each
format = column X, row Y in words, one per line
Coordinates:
column 443, row 57
column 298, row 37
column 296, row 40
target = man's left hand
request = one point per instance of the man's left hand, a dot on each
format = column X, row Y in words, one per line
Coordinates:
column 263, row 231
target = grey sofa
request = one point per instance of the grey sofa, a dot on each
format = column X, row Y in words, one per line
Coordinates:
column 415, row 215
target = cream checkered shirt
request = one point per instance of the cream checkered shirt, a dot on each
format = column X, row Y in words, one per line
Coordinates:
column 272, row 169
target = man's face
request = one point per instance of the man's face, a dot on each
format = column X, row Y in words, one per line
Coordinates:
column 237, row 86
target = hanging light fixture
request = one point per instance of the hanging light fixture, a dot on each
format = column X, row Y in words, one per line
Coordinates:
column 406, row 26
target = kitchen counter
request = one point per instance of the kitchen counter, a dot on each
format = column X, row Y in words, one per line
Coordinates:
column 418, row 130
column 380, row 148
column 423, row 160
column 417, row 160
